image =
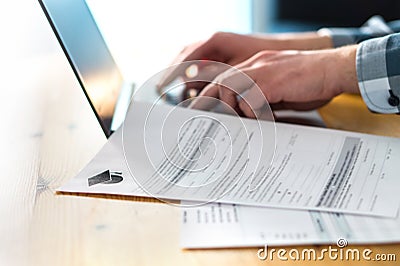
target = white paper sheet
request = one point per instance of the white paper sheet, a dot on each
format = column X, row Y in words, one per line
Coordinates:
column 227, row 225
column 313, row 169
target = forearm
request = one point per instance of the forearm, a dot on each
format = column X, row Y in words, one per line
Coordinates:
column 298, row 41
column 331, row 37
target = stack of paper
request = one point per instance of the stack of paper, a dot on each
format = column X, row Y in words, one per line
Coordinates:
column 304, row 185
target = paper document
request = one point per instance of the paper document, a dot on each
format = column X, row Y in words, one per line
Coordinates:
column 312, row 168
column 226, row 225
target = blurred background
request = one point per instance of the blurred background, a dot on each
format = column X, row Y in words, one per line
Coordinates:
column 145, row 35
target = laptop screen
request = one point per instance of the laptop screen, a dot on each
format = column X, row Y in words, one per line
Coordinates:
column 87, row 52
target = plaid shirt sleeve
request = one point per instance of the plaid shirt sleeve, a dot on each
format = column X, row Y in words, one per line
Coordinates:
column 377, row 61
column 374, row 27
column 378, row 73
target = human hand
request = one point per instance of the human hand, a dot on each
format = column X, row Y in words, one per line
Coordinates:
column 231, row 49
column 298, row 80
column 228, row 48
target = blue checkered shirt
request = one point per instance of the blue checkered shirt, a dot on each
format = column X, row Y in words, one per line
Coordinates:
column 377, row 61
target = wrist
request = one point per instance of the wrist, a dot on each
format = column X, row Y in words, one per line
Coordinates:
column 342, row 70
column 349, row 74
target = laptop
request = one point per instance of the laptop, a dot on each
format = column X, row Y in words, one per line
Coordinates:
column 108, row 93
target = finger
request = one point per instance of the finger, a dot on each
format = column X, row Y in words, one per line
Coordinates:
column 228, row 96
column 236, row 80
column 209, row 70
column 202, row 73
column 194, row 86
column 253, row 101
column 192, row 52
column 206, row 99
column 169, row 75
column 211, row 102
column 226, row 86
column 240, row 81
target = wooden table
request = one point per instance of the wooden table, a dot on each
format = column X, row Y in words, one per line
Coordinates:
column 49, row 132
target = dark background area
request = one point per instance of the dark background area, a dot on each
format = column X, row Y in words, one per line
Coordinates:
column 336, row 12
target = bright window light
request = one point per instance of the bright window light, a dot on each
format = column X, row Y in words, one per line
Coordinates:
column 144, row 36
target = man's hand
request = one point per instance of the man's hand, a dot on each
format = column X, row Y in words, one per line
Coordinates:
column 232, row 49
column 228, row 48
column 299, row 80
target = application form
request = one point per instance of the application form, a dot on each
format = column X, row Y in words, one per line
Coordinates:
column 206, row 157
column 227, row 225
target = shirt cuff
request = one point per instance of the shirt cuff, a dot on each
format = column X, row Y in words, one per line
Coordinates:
column 378, row 80
column 374, row 27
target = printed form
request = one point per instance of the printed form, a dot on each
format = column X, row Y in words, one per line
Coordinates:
column 191, row 155
column 227, row 225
